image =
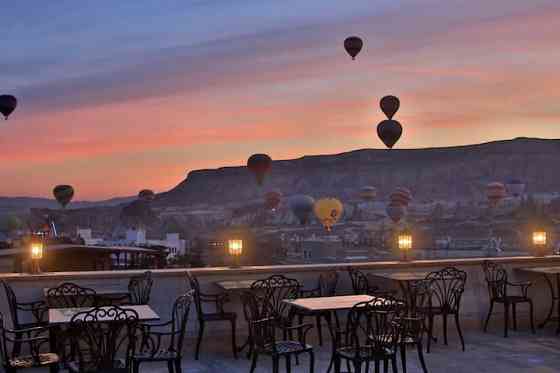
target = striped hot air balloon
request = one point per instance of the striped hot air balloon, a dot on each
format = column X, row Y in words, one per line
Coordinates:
column 401, row 195
column 495, row 192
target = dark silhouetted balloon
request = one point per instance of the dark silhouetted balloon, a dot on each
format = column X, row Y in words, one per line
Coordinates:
column 389, row 131
column 272, row 200
column 302, row 206
column 390, row 105
column 146, row 195
column 8, row 104
column 63, row 194
column 353, row 46
column 495, row 192
column 401, row 196
column 395, row 211
column 260, row 165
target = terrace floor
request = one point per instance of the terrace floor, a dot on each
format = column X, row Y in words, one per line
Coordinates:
column 522, row 352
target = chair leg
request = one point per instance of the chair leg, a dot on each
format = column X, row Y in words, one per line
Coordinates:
column 336, row 363
column 358, row 366
column 514, row 315
column 421, row 356
column 531, row 315
column 254, row 362
column 444, row 316
column 54, row 368
column 170, row 367
column 135, row 366
column 403, row 357
column 490, row 310
column 385, row 365
column 319, row 331
column 430, row 332
column 233, row 338
column 275, row 364
column 394, row 363
column 178, row 367
column 506, row 319
column 459, row 330
column 199, row 340
column 312, row 362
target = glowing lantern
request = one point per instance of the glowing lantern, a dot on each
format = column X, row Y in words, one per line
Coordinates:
column 404, row 241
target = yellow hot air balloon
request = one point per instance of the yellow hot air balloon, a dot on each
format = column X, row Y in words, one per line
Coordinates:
column 328, row 211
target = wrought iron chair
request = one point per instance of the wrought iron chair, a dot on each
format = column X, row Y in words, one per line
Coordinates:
column 164, row 342
column 498, row 292
column 68, row 294
column 361, row 283
column 36, row 310
column 263, row 327
column 11, row 362
column 371, row 335
column 326, row 287
column 273, row 291
column 447, row 288
column 218, row 300
column 102, row 334
column 412, row 321
column 140, row 288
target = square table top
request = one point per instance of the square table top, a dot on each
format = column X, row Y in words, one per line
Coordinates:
column 402, row 276
column 235, row 285
column 341, row 302
column 542, row 270
column 59, row 316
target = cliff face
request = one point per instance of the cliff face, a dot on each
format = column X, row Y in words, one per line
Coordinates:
column 452, row 173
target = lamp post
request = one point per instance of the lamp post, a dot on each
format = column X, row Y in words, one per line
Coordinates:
column 235, row 250
column 404, row 241
column 539, row 242
column 36, row 247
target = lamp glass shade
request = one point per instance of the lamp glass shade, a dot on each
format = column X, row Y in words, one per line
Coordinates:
column 539, row 238
column 235, row 247
column 36, row 250
column 405, row 242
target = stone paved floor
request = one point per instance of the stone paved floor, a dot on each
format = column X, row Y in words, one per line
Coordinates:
column 522, row 352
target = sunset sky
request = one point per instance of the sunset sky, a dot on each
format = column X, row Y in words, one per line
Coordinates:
column 116, row 96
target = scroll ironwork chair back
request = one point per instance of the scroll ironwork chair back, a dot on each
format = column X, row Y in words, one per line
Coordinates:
column 327, row 284
column 195, row 287
column 37, row 309
column 273, row 291
column 102, row 334
column 496, row 279
column 68, row 295
column 140, row 288
column 359, row 281
column 447, row 287
column 34, row 342
column 168, row 336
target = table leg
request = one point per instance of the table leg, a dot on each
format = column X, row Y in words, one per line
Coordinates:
column 554, row 299
column 333, row 340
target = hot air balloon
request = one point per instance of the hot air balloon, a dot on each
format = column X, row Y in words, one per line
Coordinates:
column 515, row 187
column 8, row 104
column 395, row 211
column 146, row 195
column 272, row 200
column 260, row 165
column 368, row 193
column 328, row 211
column 401, row 196
column 390, row 105
column 495, row 192
column 353, row 46
column 302, row 206
column 389, row 131
column 63, row 194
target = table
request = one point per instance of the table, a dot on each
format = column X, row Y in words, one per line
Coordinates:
column 61, row 316
column 405, row 280
column 548, row 273
column 235, row 285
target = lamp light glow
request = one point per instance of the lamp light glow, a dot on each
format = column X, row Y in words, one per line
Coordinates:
column 404, row 242
column 235, row 247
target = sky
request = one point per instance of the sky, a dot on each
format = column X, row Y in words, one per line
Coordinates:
column 117, row 96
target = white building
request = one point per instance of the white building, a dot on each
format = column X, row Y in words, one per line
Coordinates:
column 135, row 237
column 86, row 235
column 173, row 243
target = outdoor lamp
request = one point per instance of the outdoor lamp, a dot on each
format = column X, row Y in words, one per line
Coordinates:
column 36, row 254
column 539, row 241
column 235, row 250
column 404, row 242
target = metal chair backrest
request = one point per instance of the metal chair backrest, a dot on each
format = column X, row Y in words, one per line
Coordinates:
column 195, row 287
column 12, row 303
column 68, row 295
column 273, row 291
column 4, row 354
column 102, row 333
column 140, row 288
column 496, row 279
column 447, row 287
column 371, row 328
column 33, row 343
column 359, row 280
